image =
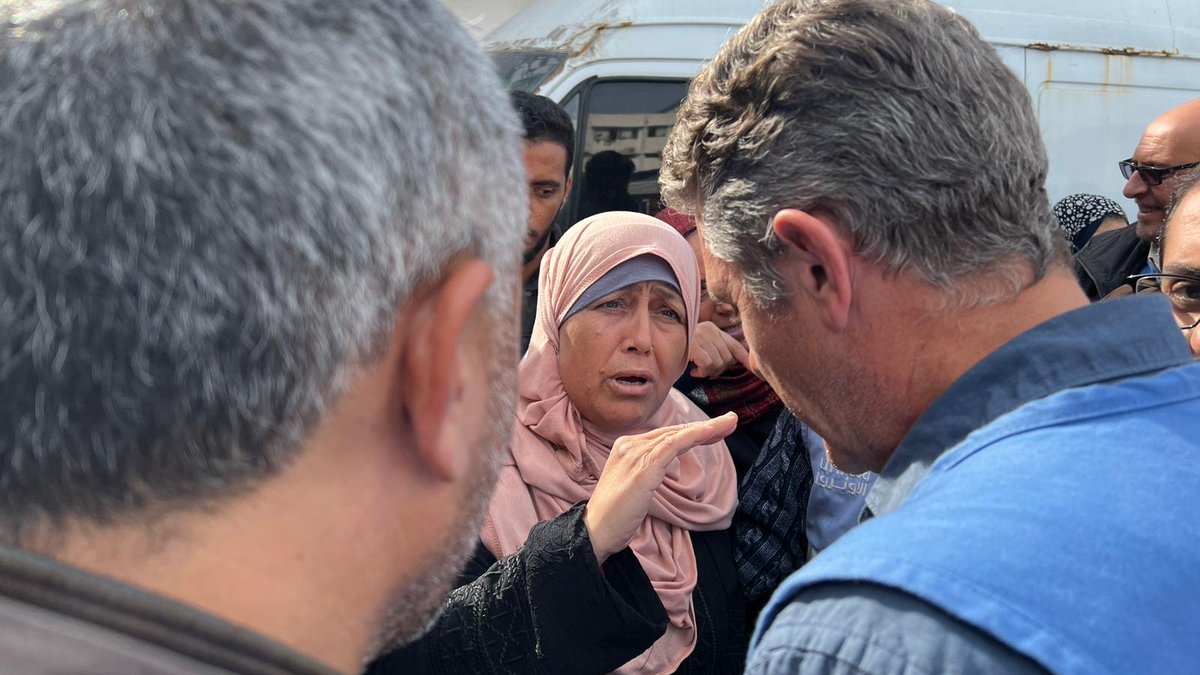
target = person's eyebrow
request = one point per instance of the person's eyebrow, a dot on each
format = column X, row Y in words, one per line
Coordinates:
column 665, row 290
column 1182, row 270
column 546, row 183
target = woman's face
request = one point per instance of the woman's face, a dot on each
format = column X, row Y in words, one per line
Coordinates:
column 619, row 357
column 724, row 315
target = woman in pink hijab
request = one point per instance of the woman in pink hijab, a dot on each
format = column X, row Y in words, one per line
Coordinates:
column 606, row 545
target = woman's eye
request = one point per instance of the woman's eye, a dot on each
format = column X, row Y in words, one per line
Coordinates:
column 672, row 314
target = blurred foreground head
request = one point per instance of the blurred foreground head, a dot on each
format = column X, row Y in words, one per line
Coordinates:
column 243, row 277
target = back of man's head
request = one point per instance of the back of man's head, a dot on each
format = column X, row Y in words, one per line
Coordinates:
column 210, row 215
column 545, row 120
column 895, row 117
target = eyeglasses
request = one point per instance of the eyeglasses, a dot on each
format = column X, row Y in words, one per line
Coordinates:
column 1152, row 175
column 1182, row 290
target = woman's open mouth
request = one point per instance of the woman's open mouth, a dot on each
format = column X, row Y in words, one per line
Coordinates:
column 634, row 384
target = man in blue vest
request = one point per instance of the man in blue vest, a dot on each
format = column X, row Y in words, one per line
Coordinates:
column 869, row 182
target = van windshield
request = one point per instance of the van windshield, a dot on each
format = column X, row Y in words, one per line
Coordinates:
column 526, row 70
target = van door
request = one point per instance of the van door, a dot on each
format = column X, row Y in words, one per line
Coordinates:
column 621, row 129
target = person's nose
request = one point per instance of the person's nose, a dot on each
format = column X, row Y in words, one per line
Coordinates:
column 725, row 309
column 638, row 331
column 532, row 213
column 1135, row 186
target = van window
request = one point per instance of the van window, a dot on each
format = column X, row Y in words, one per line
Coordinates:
column 526, row 70
column 624, row 129
column 571, row 105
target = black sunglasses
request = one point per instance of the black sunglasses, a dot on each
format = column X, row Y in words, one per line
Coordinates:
column 1152, row 175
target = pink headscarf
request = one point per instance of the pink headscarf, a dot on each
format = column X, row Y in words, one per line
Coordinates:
column 556, row 456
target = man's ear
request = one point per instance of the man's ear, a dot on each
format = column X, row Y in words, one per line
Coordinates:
column 439, row 356
column 817, row 261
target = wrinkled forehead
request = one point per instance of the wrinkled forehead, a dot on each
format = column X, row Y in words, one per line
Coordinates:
column 648, row 269
column 595, row 246
column 1181, row 242
column 664, row 291
column 657, row 290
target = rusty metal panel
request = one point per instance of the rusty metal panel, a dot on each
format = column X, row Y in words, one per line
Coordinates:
column 1093, row 106
column 1145, row 26
column 1097, row 71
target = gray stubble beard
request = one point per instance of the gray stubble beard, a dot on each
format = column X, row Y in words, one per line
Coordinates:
column 416, row 606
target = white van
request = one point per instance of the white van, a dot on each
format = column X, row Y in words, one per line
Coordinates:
column 1098, row 72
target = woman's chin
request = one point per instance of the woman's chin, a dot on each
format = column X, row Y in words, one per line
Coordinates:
column 620, row 420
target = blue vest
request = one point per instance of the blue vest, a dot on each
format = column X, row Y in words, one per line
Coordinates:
column 1069, row 530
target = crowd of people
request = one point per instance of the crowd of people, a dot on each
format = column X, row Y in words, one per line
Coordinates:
column 283, row 399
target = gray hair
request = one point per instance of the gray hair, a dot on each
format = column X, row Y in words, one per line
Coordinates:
column 210, row 214
column 895, row 117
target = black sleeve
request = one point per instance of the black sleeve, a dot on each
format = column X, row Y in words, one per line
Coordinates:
column 1086, row 282
column 548, row 608
column 721, row 637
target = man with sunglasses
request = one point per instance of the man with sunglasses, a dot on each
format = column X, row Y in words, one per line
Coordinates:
column 1170, row 145
column 1180, row 276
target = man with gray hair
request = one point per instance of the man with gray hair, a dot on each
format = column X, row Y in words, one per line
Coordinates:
column 250, row 320
column 868, row 178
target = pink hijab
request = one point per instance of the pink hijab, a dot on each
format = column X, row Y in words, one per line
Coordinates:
column 556, row 456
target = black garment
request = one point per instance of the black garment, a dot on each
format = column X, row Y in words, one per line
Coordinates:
column 770, row 522
column 720, row 610
column 748, row 439
column 1107, row 259
column 55, row 619
column 529, row 301
column 529, row 290
column 550, row 608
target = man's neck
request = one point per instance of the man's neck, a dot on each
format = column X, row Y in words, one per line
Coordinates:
column 268, row 561
column 530, row 269
column 951, row 343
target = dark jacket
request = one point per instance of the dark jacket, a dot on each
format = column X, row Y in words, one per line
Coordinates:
column 1104, row 263
column 529, row 289
column 57, row 619
column 550, row 608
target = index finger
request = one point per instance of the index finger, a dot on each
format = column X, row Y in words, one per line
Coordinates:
column 688, row 436
column 737, row 350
